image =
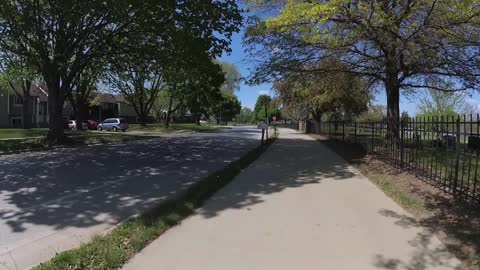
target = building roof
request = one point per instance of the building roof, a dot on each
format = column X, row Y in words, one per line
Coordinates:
column 108, row 98
column 40, row 91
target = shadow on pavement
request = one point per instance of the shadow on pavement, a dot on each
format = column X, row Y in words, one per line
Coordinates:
column 291, row 171
column 104, row 184
column 426, row 255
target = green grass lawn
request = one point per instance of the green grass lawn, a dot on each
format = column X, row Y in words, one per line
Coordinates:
column 8, row 133
column 16, row 140
column 174, row 127
column 11, row 133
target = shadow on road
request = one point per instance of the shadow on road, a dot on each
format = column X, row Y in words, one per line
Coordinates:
column 104, row 184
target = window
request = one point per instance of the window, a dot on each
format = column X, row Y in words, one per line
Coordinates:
column 17, row 100
column 123, row 121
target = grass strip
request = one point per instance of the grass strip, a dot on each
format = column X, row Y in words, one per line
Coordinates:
column 402, row 198
column 122, row 243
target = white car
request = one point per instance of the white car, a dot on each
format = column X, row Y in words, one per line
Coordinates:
column 72, row 124
column 203, row 122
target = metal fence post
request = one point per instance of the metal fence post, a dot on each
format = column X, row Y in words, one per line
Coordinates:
column 457, row 155
column 402, row 145
column 373, row 134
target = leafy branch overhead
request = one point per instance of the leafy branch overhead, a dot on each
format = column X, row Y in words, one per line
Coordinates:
column 399, row 45
column 61, row 39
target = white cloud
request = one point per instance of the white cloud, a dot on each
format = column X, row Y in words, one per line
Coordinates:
column 472, row 106
column 263, row 92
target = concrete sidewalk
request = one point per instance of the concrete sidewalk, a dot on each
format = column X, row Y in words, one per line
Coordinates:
column 299, row 206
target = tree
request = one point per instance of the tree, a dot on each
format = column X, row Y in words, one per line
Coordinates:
column 228, row 107
column 439, row 103
column 140, row 79
column 19, row 76
column 295, row 112
column 201, row 91
column 342, row 95
column 405, row 116
column 374, row 113
column 265, row 108
column 61, row 38
column 84, row 86
column 397, row 44
column 189, row 68
column 246, row 116
column 233, row 78
column 261, row 107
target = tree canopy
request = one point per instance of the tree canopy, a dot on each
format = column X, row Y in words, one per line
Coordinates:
column 339, row 94
column 246, row 116
column 395, row 44
column 233, row 78
column 266, row 107
column 61, row 38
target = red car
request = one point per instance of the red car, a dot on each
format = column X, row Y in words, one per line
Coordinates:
column 92, row 124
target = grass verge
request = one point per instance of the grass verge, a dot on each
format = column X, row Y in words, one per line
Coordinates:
column 122, row 243
column 8, row 133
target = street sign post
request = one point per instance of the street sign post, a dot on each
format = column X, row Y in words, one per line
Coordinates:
column 263, row 127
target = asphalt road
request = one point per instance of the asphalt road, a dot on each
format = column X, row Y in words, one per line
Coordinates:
column 54, row 200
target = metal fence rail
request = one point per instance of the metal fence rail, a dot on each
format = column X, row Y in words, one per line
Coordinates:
column 442, row 150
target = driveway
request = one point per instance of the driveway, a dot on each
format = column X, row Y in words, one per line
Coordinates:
column 54, row 200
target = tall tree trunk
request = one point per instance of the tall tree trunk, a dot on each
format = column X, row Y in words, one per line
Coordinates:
column 197, row 119
column 317, row 117
column 169, row 113
column 27, row 111
column 56, row 98
column 393, row 106
column 143, row 119
column 81, row 113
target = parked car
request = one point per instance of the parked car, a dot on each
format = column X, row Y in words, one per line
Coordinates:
column 113, row 124
column 72, row 124
column 92, row 124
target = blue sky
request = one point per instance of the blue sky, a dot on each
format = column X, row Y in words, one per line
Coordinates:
column 248, row 94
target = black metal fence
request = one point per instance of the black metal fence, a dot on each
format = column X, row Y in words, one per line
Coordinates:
column 442, row 150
